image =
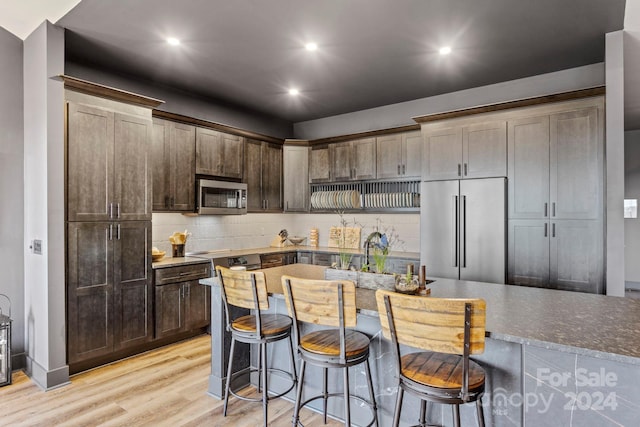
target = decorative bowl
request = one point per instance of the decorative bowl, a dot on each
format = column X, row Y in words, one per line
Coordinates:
column 157, row 256
column 296, row 240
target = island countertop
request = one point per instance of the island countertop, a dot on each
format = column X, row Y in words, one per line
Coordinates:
column 592, row 325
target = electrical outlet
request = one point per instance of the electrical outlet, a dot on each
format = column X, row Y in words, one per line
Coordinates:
column 36, row 247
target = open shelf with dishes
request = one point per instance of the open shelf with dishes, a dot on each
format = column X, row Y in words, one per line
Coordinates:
column 378, row 196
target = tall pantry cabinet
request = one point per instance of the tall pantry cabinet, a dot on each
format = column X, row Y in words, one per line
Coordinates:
column 108, row 192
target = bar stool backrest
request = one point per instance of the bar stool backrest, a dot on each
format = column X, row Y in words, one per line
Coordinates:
column 318, row 301
column 433, row 324
column 238, row 288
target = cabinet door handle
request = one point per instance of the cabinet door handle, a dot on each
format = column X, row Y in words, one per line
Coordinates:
column 110, row 231
column 553, row 209
column 546, row 209
column 553, row 230
column 546, row 226
column 118, row 209
column 465, row 169
column 118, row 231
column 111, row 210
column 459, row 169
column 404, row 169
column 287, row 205
column 398, row 169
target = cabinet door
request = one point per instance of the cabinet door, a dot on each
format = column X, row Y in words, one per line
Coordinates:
column 412, row 154
column 576, row 255
column 576, row 165
column 528, row 171
column 341, row 162
column 170, row 310
column 183, row 167
column 161, row 164
column 253, row 175
column 132, row 283
column 319, row 169
column 364, row 159
column 209, row 152
column 389, row 159
column 132, row 175
column 296, row 178
column 272, row 176
column 528, row 256
column 484, row 150
column 442, row 154
column 305, row 257
column 232, row 156
column 89, row 163
column 198, row 303
column 90, row 310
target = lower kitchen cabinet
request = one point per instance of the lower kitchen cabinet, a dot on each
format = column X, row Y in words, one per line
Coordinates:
column 109, row 301
column 182, row 304
column 560, row 254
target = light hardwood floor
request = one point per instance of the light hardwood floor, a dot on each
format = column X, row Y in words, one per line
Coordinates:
column 164, row 387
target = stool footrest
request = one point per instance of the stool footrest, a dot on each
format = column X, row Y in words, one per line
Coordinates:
column 285, row 374
column 340, row 395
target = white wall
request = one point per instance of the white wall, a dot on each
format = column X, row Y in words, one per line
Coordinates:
column 44, row 206
column 11, row 189
column 258, row 230
column 400, row 114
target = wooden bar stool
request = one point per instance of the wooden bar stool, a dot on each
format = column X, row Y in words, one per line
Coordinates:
column 328, row 303
column 249, row 290
column 450, row 330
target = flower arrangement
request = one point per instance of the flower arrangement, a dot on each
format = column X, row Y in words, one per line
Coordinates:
column 345, row 256
column 380, row 241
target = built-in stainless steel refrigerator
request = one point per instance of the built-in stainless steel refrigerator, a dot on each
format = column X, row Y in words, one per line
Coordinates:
column 463, row 229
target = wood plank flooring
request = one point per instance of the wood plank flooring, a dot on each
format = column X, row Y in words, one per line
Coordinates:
column 164, row 387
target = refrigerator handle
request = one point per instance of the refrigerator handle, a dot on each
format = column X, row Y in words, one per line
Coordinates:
column 454, row 252
column 545, row 229
column 463, row 240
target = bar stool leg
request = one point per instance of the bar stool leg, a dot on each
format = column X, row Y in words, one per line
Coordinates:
column 371, row 392
column 423, row 412
column 259, row 368
column 296, row 408
column 293, row 361
column 324, row 393
column 347, row 406
column 456, row 415
column 228, row 385
column 480, row 412
column 265, row 392
column 396, row 414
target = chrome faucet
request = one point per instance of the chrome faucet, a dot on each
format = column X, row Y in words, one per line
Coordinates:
column 366, row 245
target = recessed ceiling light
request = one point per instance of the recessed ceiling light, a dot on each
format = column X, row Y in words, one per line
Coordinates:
column 311, row 46
column 173, row 41
column 293, row 91
column 445, row 50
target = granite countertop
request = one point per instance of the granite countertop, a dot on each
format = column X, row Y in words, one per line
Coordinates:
column 172, row 262
column 592, row 325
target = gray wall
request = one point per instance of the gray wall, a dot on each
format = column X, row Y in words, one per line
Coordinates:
column 44, row 206
column 11, row 189
column 632, row 191
column 400, row 114
column 184, row 103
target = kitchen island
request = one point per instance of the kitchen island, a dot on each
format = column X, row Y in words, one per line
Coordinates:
column 552, row 357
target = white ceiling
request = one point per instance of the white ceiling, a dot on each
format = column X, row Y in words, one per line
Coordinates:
column 21, row 17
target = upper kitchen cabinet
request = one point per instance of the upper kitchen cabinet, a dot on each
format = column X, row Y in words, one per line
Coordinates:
column 107, row 164
column 556, row 165
column 475, row 150
column 173, row 159
column 218, row 153
column 319, row 169
column 263, row 175
column 353, row 160
column 296, row 178
column 399, row 155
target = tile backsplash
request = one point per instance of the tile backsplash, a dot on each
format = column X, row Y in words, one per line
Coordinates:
column 210, row 232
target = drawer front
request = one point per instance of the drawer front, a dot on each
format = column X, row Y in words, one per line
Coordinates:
column 182, row 273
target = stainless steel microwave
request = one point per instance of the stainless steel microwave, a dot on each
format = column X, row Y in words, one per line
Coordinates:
column 221, row 197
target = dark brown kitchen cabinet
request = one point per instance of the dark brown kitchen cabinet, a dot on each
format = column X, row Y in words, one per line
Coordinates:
column 473, row 150
column 109, row 301
column 263, row 176
column 173, row 160
column 218, row 153
column 319, row 169
column 108, row 170
column 181, row 303
column 353, row 160
column 399, row 155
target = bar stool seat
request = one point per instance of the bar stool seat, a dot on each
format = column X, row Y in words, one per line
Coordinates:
column 248, row 290
column 330, row 304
